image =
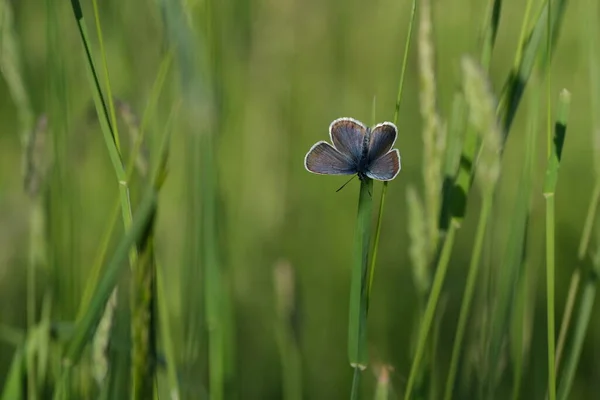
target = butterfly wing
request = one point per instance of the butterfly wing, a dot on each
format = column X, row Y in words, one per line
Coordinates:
column 347, row 136
column 383, row 137
column 324, row 159
column 386, row 167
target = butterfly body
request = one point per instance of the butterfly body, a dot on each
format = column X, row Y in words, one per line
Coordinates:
column 356, row 149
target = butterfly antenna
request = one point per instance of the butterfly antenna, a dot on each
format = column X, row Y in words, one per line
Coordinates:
column 347, row 182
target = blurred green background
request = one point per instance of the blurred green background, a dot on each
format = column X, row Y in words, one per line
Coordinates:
column 280, row 72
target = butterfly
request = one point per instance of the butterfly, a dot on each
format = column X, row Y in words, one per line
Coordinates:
column 356, row 149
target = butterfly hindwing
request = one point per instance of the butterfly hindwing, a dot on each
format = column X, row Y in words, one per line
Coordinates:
column 324, row 159
column 386, row 167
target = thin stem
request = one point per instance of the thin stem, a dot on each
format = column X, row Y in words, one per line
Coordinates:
column 588, row 296
column 576, row 276
column 550, row 227
column 355, row 384
column 549, row 190
column 566, row 319
column 550, row 294
column 111, row 105
column 468, row 296
column 432, row 301
column 519, row 54
column 589, row 222
column 35, row 215
column 357, row 323
column 396, row 112
column 405, row 60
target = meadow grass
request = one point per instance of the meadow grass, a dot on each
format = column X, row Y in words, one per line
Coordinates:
column 157, row 307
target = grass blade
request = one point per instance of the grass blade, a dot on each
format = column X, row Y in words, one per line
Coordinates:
column 549, row 190
column 453, row 209
column 524, row 322
column 166, row 334
column 87, row 324
column 108, row 127
column 396, row 113
column 584, row 314
column 109, row 96
column 481, row 103
column 590, row 35
column 12, row 386
column 429, row 314
column 514, row 86
column 357, row 323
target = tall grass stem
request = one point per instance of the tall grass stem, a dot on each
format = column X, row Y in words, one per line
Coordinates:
column 396, row 113
column 557, row 143
column 468, row 295
column 429, row 313
column 357, row 325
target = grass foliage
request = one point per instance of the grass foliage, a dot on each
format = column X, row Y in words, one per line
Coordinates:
column 159, row 238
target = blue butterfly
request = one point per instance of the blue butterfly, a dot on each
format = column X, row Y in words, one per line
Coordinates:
column 356, row 149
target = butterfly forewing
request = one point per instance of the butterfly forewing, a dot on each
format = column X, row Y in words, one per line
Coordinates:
column 385, row 168
column 347, row 136
column 323, row 158
column 383, row 137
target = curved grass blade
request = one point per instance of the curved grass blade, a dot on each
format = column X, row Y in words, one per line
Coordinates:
column 396, row 113
column 87, row 324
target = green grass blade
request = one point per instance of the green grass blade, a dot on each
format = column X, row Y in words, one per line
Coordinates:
column 429, row 313
column 590, row 35
column 490, row 30
column 143, row 329
column 119, row 373
column 566, row 317
column 467, row 296
column 453, row 208
column 13, row 383
column 202, row 193
column 143, row 292
column 549, row 190
column 108, row 127
column 166, row 334
column 481, row 102
column 105, row 123
column 109, row 96
column 87, row 324
column 522, row 322
column 357, row 323
column 396, row 113
column 11, row 69
column 507, row 277
column 584, row 314
column 150, row 109
column 514, row 86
